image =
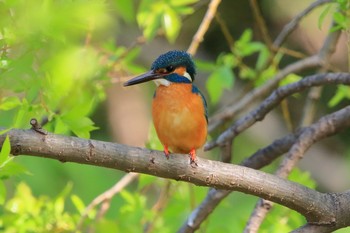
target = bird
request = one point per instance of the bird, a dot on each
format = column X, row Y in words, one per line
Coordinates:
column 179, row 109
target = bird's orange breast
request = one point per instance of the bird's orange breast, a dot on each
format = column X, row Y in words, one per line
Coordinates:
column 179, row 117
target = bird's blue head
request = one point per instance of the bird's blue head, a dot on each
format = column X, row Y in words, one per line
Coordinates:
column 173, row 66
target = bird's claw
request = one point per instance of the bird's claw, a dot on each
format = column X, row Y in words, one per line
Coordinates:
column 166, row 152
column 192, row 154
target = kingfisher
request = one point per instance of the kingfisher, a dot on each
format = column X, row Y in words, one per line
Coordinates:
column 179, row 109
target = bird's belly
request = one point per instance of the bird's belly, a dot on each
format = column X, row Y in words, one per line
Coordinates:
column 179, row 120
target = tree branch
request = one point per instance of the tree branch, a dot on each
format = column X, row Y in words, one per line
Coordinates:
column 290, row 27
column 214, row 197
column 207, row 206
column 230, row 111
column 337, row 121
column 325, row 127
column 106, row 197
column 203, row 28
column 317, row 60
column 261, row 23
column 317, row 207
column 274, row 99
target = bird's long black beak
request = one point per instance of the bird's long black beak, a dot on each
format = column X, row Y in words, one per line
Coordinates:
column 150, row 75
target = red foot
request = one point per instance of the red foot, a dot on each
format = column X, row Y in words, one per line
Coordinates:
column 166, row 152
column 193, row 157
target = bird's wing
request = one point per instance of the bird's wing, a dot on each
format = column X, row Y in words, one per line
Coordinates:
column 197, row 91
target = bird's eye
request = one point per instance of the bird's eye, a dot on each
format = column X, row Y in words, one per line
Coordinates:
column 165, row 70
column 170, row 68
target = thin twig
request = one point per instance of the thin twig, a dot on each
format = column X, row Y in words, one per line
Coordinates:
column 203, row 28
column 263, row 157
column 158, row 206
column 214, row 196
column 325, row 127
column 286, row 115
column 263, row 206
column 225, row 31
column 106, row 196
column 230, row 111
column 318, row 60
column 310, row 106
column 273, row 100
column 290, row 27
column 261, row 23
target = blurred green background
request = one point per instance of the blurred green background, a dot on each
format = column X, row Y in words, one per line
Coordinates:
column 63, row 62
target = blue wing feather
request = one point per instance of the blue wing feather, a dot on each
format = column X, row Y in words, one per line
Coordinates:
column 197, row 91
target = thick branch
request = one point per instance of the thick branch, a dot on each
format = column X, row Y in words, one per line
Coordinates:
column 325, row 127
column 264, row 157
column 334, row 122
column 216, row 196
column 310, row 203
column 340, row 199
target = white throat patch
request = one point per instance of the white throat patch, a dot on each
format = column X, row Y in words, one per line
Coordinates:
column 188, row 76
column 161, row 81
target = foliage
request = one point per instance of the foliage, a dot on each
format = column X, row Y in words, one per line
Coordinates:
column 20, row 214
column 154, row 15
column 56, row 61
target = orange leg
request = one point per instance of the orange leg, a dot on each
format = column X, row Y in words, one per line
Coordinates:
column 166, row 151
column 193, row 156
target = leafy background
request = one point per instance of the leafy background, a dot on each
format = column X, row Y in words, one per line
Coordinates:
column 63, row 62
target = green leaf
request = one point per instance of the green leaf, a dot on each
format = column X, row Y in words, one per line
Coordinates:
column 343, row 92
column 341, row 20
column 182, row 2
column 172, row 24
column 149, row 18
column 105, row 225
column 4, row 131
column 82, row 127
column 78, row 203
column 11, row 168
column 145, row 180
column 60, row 127
column 222, row 78
column 246, row 36
column 338, row 17
column 323, row 15
column 158, row 14
column 3, row 192
column 290, row 78
column 153, row 141
column 130, row 200
column 5, row 151
column 150, row 29
column 8, row 103
column 126, row 9
column 247, row 73
column 263, row 58
column 250, row 48
column 59, row 206
column 302, row 177
column 205, row 65
column 66, row 190
column 265, row 75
